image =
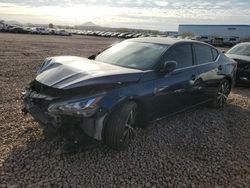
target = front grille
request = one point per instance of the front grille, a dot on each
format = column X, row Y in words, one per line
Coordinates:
column 43, row 89
column 40, row 103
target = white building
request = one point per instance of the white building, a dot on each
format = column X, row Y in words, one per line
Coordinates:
column 241, row 31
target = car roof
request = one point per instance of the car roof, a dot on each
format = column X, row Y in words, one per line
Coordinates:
column 163, row 40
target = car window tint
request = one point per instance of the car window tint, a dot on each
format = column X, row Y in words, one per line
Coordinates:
column 182, row 54
column 203, row 54
column 138, row 55
column 215, row 54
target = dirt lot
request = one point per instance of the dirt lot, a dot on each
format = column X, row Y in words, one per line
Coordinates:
column 202, row 148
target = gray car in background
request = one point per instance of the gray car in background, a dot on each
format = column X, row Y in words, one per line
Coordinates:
column 241, row 54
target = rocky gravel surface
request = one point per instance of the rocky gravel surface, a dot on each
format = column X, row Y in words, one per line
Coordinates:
column 200, row 148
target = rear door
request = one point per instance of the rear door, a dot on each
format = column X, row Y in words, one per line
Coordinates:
column 176, row 90
column 208, row 68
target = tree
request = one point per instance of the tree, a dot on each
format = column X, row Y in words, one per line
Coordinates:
column 51, row 25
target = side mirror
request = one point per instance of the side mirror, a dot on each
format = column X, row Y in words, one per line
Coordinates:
column 168, row 66
column 92, row 57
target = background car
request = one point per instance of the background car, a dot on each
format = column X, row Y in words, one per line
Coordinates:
column 16, row 29
column 218, row 41
column 241, row 54
column 206, row 39
column 1, row 27
column 129, row 84
column 231, row 41
column 40, row 31
column 62, row 32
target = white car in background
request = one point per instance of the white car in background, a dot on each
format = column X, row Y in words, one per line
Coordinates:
column 40, row 30
column 62, row 32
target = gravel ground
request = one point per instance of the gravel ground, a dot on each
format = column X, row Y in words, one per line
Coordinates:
column 201, row 148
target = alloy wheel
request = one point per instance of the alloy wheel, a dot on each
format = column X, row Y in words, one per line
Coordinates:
column 129, row 130
column 223, row 93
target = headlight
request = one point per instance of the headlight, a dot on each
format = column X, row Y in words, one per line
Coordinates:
column 84, row 107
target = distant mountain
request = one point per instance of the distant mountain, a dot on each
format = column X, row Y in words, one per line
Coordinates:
column 89, row 24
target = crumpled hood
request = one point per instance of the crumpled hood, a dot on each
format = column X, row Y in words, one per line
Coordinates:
column 66, row 72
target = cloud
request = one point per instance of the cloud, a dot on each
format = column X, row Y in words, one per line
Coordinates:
column 161, row 3
column 138, row 3
column 154, row 14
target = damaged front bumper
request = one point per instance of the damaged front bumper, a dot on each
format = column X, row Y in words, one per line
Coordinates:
column 38, row 104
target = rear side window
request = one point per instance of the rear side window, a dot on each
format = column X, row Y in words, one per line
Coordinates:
column 182, row 54
column 215, row 53
column 203, row 54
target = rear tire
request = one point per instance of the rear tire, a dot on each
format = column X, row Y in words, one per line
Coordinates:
column 119, row 129
column 221, row 94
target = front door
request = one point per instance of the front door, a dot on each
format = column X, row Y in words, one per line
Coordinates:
column 177, row 90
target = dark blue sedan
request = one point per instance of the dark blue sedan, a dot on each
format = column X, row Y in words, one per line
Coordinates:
column 136, row 81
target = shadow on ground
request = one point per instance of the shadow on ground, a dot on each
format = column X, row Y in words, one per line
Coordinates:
column 242, row 90
column 203, row 148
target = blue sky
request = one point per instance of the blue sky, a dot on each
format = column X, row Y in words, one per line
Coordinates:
column 148, row 14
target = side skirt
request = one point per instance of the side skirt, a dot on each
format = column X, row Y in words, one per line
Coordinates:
column 180, row 111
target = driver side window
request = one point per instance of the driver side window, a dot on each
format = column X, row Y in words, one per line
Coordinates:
column 182, row 54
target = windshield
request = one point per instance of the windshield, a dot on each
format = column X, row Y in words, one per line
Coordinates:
column 242, row 49
column 137, row 55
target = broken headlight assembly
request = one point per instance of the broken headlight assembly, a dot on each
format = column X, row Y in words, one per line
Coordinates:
column 78, row 107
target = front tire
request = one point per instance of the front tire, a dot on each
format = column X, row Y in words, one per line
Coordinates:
column 120, row 127
column 221, row 94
